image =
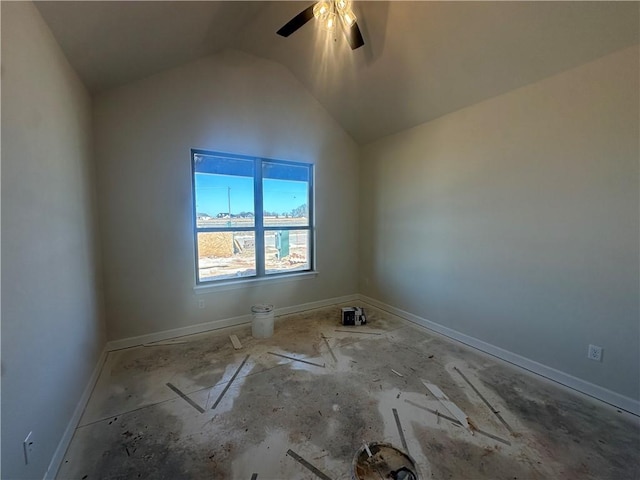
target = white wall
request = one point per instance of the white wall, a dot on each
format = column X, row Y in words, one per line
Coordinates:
column 516, row 220
column 230, row 102
column 52, row 328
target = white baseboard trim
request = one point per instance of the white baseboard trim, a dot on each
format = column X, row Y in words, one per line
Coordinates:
column 605, row 395
column 177, row 332
column 319, row 304
column 58, row 456
column 63, row 444
column 220, row 323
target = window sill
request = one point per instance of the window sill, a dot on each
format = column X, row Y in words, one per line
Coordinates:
column 252, row 282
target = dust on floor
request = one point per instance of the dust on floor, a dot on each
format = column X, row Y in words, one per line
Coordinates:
column 152, row 415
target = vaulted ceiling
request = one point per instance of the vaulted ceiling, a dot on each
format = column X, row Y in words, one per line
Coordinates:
column 420, row 60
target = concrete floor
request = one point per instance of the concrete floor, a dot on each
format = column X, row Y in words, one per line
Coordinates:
column 136, row 426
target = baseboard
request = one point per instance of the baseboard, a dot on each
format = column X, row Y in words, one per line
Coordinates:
column 620, row 401
column 612, row 398
column 220, row 323
column 58, row 456
column 319, row 304
column 177, row 332
column 64, row 442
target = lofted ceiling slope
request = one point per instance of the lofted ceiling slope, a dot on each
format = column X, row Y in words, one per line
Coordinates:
column 420, row 60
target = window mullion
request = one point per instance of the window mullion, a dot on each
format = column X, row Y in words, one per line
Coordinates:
column 258, row 218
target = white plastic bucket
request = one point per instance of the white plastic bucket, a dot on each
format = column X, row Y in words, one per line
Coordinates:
column 262, row 322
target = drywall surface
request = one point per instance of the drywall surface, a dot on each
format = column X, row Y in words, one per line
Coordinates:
column 516, row 221
column 230, row 102
column 52, row 327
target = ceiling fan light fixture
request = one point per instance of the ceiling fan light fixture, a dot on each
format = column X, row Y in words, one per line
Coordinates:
column 348, row 18
column 321, row 10
column 343, row 5
column 330, row 21
column 328, row 12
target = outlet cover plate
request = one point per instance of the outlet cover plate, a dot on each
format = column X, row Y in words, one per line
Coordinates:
column 594, row 353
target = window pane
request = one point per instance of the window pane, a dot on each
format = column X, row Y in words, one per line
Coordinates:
column 285, row 194
column 224, row 191
column 286, row 251
column 226, row 255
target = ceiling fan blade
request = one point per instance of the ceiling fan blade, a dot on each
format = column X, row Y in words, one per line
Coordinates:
column 354, row 37
column 296, row 22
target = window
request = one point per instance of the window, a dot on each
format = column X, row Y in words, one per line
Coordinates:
column 253, row 217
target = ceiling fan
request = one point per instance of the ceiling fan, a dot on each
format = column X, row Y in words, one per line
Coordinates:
column 330, row 13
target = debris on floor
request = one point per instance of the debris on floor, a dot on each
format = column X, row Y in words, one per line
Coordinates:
column 485, row 401
column 230, row 382
column 449, row 405
column 297, row 359
column 307, row 465
column 366, row 448
column 400, row 431
column 359, row 331
column 326, row 341
column 154, row 413
column 236, row 342
column 185, row 398
column 353, row 316
column 383, row 461
column 456, row 422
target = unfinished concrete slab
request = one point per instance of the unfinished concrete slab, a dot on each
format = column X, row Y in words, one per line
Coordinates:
column 301, row 404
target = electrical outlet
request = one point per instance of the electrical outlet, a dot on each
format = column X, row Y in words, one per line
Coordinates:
column 595, row 353
column 200, row 303
column 27, row 446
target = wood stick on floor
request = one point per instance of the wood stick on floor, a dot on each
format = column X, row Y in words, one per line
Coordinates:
column 355, row 331
column 236, row 343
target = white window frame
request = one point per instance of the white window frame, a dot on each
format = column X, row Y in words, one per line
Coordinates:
column 259, row 229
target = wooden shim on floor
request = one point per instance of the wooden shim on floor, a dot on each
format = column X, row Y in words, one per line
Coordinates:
column 448, row 404
column 456, row 422
column 236, row 343
column 402, row 439
column 307, row 465
column 185, row 398
column 493, row 410
column 354, row 331
column 297, row 359
column 230, row 382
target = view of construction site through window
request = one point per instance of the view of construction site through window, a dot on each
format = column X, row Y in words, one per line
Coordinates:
column 253, row 216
